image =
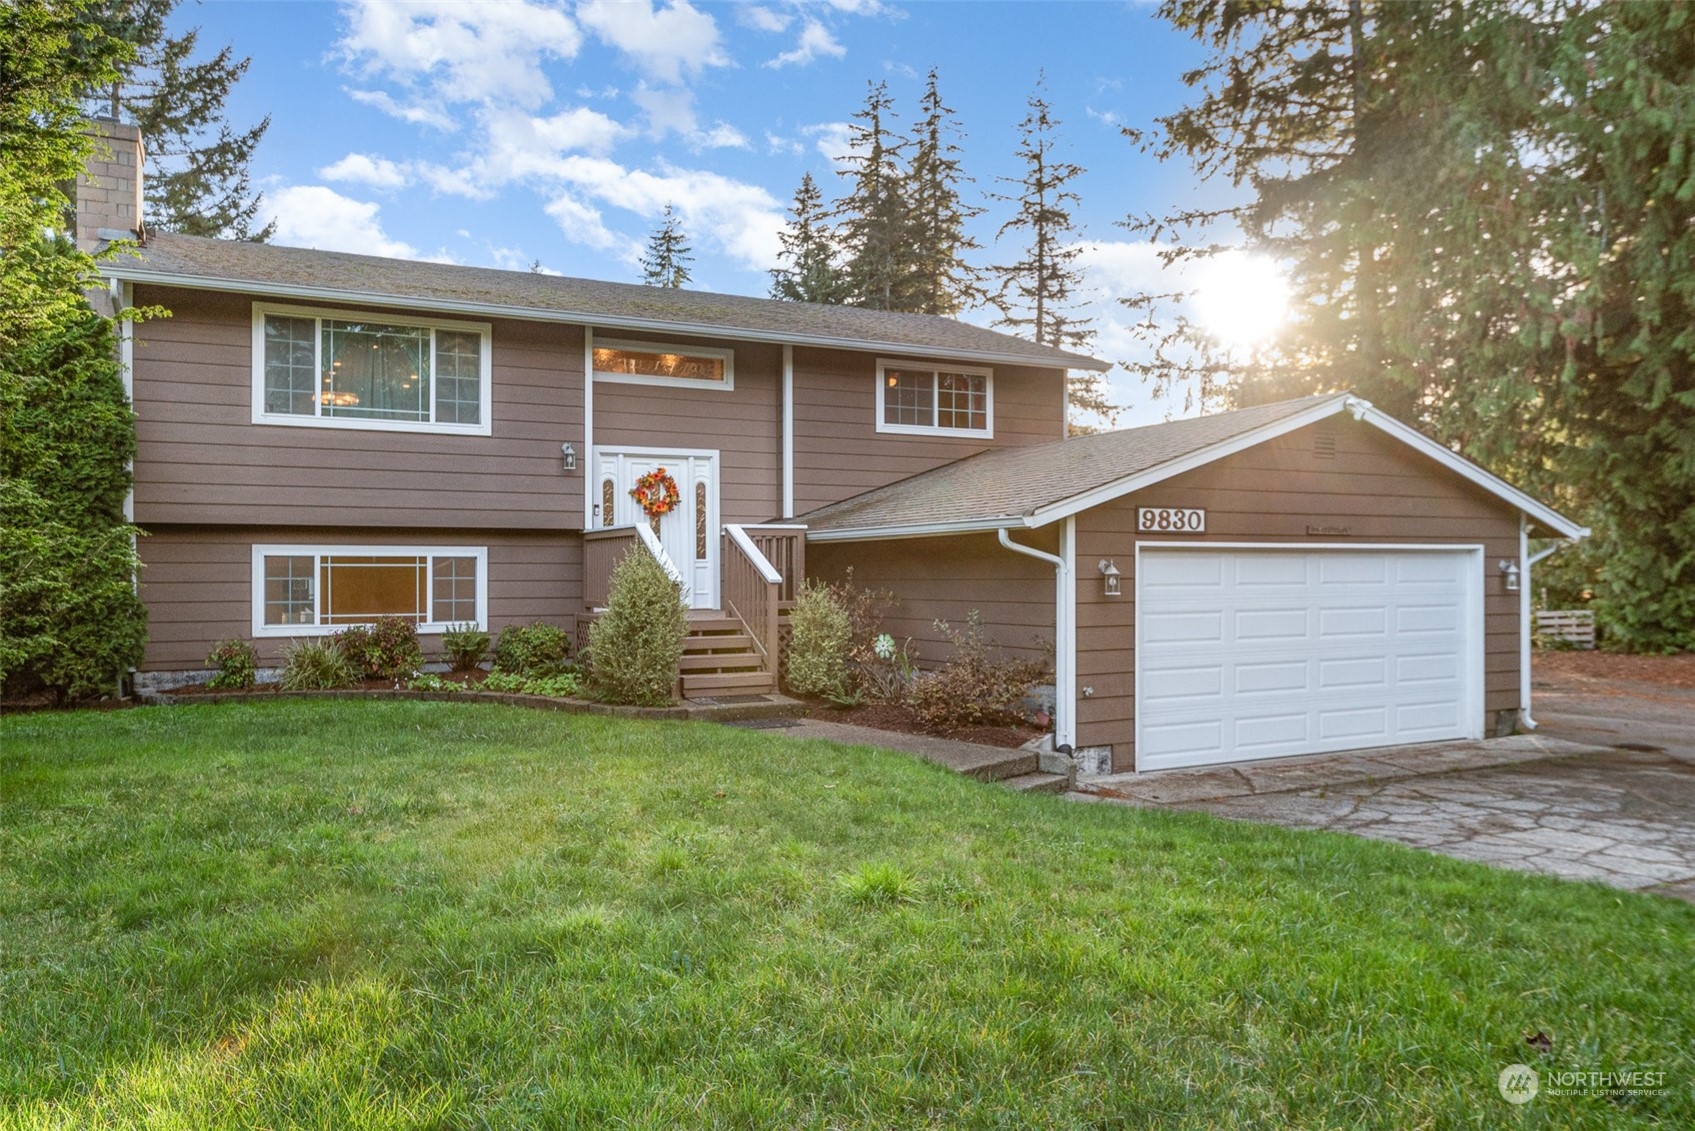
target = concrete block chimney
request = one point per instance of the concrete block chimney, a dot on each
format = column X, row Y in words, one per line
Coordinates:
column 108, row 194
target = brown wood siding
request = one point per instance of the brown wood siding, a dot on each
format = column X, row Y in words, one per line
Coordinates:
column 200, row 458
column 198, row 582
column 839, row 453
column 947, row 578
column 744, row 423
column 1382, row 491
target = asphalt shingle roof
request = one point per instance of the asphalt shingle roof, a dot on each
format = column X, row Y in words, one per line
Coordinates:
column 1012, row 483
column 211, row 261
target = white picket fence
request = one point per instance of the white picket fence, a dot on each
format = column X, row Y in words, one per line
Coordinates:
column 1574, row 626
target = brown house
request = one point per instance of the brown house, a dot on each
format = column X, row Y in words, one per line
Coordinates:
column 324, row 437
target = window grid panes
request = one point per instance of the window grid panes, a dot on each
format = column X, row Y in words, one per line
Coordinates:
column 290, row 358
column 962, row 400
column 358, row 370
column 289, row 597
column 909, row 397
column 455, row 583
column 458, row 377
column 659, row 363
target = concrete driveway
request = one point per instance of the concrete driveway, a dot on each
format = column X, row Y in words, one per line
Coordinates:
column 1604, row 790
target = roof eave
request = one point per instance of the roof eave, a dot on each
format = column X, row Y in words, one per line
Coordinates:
column 918, row 530
column 131, row 274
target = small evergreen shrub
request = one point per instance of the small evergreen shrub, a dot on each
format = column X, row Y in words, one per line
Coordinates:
column 820, row 635
column 976, row 687
column 532, row 650
column 465, row 645
column 237, row 663
column 316, row 665
column 387, row 648
column 636, row 645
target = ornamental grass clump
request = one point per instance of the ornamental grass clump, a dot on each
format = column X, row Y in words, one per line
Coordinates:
column 316, row 665
column 465, row 646
column 636, row 645
column 237, row 665
column 820, row 636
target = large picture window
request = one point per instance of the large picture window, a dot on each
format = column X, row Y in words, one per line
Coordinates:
column 339, row 369
column 312, row 590
column 925, row 399
column 651, row 363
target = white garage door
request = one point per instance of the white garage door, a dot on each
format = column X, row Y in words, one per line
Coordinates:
column 1261, row 653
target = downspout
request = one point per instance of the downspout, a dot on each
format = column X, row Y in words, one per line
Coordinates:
column 788, row 431
column 591, row 473
column 1065, row 631
column 1524, row 618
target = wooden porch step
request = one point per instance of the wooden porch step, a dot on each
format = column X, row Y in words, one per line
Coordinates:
column 718, row 661
column 724, row 642
column 719, row 683
column 713, row 623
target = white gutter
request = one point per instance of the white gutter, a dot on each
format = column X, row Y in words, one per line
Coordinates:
column 788, row 431
column 1524, row 618
column 585, row 318
column 591, row 473
column 917, row 530
column 1065, row 631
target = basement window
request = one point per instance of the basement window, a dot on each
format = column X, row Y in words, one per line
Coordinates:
column 340, row 369
column 923, row 399
column 316, row 590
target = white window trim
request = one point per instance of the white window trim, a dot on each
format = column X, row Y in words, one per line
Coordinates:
column 261, row 630
column 728, row 356
column 935, row 367
column 485, row 382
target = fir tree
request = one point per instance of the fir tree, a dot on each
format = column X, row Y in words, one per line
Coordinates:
column 1037, row 289
column 666, row 262
column 875, row 216
column 807, row 270
column 197, row 181
column 945, row 283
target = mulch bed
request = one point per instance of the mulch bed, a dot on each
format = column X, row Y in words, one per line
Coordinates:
column 1661, row 671
column 470, row 679
column 889, row 716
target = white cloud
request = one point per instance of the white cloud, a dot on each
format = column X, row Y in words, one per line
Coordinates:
column 833, row 140
column 815, row 40
column 417, row 113
column 762, row 19
column 471, row 52
column 667, row 41
column 672, row 111
column 777, row 143
column 1105, row 117
column 378, row 172
column 582, row 223
column 319, row 217
column 721, row 136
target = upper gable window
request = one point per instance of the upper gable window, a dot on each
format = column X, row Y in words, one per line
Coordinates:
column 340, row 369
column 650, row 363
column 932, row 400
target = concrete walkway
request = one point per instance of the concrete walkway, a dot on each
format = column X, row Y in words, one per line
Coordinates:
column 1016, row 768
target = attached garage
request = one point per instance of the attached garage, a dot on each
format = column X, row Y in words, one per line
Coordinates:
column 1297, row 578
column 1261, row 651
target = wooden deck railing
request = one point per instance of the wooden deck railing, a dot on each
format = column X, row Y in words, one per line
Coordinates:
column 753, row 592
column 603, row 548
column 784, row 547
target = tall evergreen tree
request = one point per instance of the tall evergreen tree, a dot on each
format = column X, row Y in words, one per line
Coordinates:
column 807, row 270
column 197, row 177
column 666, row 262
column 1036, row 293
column 875, row 216
column 946, row 283
column 1484, row 213
column 69, row 615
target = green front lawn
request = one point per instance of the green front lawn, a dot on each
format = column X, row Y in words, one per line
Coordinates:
column 360, row 915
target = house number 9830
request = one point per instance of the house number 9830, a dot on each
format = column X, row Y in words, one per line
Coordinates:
column 1171, row 520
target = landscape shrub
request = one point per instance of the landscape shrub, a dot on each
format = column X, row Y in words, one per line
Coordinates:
column 316, row 665
column 532, row 650
column 429, row 681
column 819, row 637
column 465, row 645
column 636, row 644
column 978, row 686
column 561, row 686
column 880, row 668
column 237, row 663
column 387, row 648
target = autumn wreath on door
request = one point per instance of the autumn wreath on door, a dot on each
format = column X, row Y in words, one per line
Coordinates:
column 658, row 495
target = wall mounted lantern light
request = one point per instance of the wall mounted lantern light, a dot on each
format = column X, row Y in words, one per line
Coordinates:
column 1510, row 571
column 1109, row 579
column 570, row 456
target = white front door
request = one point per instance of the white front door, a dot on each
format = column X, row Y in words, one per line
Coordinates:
column 689, row 533
column 1263, row 652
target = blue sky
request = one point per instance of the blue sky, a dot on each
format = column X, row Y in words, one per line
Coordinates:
column 500, row 133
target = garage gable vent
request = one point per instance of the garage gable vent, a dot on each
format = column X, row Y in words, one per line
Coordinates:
column 1324, row 443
